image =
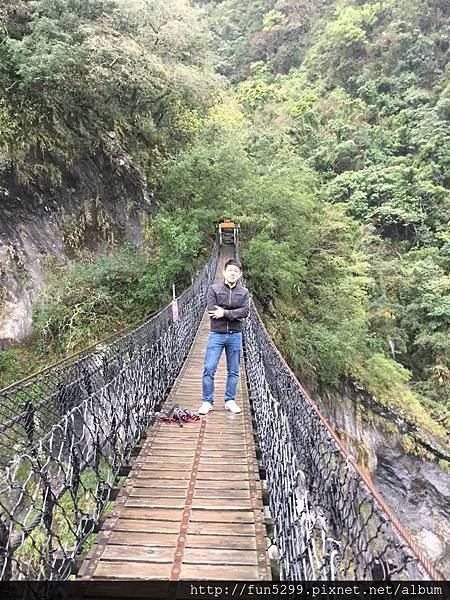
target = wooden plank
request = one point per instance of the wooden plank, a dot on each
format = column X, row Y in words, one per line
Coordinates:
column 150, row 502
column 224, row 422
column 152, row 554
column 160, row 483
column 131, row 570
column 147, row 525
column 221, row 415
column 155, row 514
column 141, row 538
column 237, row 542
column 219, row 475
column 239, row 452
column 222, row 468
column 214, row 463
column 174, row 442
column 229, row 454
column 224, row 435
column 165, row 492
column 224, row 428
column 222, row 572
column 166, row 445
column 222, row 516
column 212, row 556
column 214, row 484
column 173, row 429
column 228, row 529
column 169, row 452
column 228, row 438
column 186, row 434
column 158, row 465
column 179, row 438
column 211, row 443
column 220, row 493
column 213, row 435
column 218, row 503
column 172, row 469
column 162, row 475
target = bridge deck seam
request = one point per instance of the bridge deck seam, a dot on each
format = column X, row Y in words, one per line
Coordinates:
column 184, row 526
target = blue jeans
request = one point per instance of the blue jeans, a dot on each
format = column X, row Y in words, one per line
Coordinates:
column 232, row 342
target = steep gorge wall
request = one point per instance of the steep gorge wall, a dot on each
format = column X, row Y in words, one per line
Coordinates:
column 97, row 203
column 414, row 485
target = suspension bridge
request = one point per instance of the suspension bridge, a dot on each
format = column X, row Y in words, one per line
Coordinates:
column 94, row 486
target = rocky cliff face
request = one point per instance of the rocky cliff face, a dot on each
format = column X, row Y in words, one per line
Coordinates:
column 96, row 203
column 416, row 487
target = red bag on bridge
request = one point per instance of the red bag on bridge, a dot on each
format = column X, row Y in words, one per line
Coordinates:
column 178, row 414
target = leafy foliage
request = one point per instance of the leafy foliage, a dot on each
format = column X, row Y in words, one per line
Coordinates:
column 86, row 301
column 362, row 97
column 299, row 254
column 73, row 71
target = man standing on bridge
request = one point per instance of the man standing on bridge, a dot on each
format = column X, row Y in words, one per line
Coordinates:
column 228, row 303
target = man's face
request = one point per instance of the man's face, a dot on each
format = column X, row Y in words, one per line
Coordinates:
column 232, row 274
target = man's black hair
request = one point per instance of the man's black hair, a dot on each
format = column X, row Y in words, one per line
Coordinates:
column 233, row 261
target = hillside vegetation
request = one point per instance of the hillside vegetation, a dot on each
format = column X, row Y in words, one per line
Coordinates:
column 323, row 127
column 358, row 93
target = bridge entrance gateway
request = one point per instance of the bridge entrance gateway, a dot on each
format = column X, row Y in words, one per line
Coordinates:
column 83, row 464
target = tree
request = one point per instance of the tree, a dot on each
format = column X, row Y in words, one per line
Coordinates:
column 76, row 70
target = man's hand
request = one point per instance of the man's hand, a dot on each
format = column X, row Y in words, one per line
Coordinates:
column 216, row 314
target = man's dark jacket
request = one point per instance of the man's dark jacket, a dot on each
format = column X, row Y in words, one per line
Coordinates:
column 235, row 301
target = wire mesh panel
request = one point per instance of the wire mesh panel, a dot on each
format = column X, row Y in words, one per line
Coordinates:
column 329, row 523
column 65, row 434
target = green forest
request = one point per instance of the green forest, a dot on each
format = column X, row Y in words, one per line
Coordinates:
column 321, row 126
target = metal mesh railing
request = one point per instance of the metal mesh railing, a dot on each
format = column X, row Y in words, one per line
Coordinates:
column 330, row 522
column 65, row 434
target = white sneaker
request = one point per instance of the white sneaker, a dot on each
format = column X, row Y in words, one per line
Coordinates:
column 205, row 408
column 232, row 406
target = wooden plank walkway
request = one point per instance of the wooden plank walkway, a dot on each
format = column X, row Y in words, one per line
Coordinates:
column 191, row 507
